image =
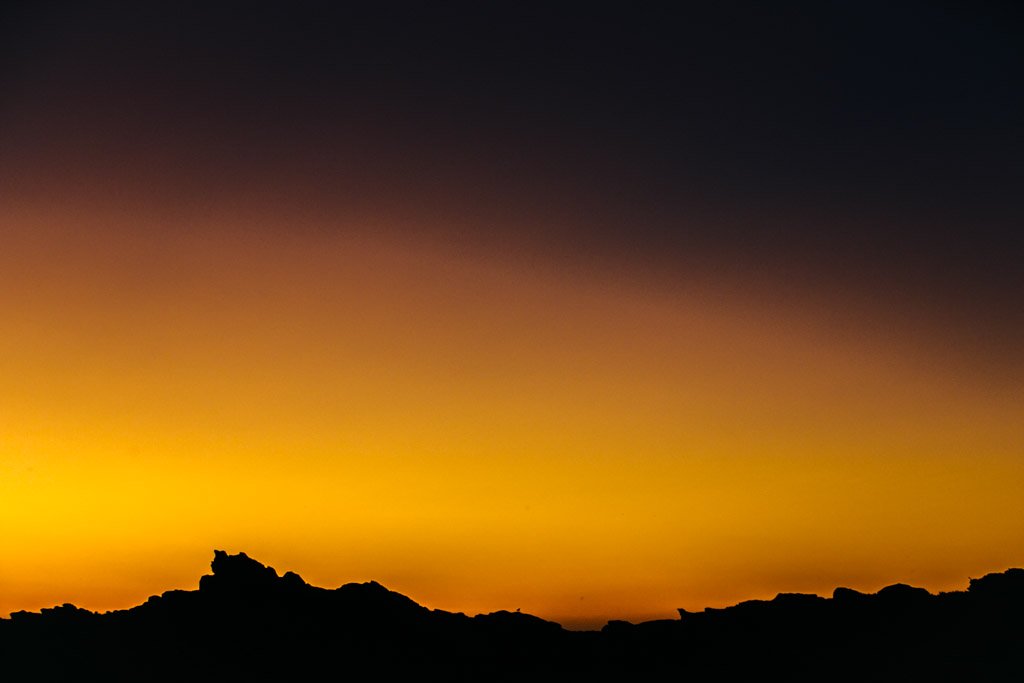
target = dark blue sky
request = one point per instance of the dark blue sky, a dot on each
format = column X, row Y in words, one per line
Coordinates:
column 872, row 147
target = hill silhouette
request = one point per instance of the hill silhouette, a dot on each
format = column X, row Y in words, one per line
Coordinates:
column 247, row 622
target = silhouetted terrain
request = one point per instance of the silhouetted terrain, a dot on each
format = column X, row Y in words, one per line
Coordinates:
column 246, row 622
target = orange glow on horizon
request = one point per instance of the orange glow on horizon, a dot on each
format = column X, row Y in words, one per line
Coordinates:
column 479, row 432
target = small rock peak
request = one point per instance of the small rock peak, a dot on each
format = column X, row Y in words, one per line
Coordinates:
column 240, row 564
column 503, row 619
column 797, row 599
column 901, row 592
column 842, row 594
column 1002, row 584
column 238, row 571
column 619, row 626
column 292, row 579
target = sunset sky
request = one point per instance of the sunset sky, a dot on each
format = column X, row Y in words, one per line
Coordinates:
column 591, row 313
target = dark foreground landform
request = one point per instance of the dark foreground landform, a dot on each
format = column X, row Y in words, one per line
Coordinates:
column 247, row 623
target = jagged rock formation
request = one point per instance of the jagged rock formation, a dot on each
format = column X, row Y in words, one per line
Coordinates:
column 245, row 621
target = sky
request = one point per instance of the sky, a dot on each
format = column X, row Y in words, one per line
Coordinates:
column 595, row 313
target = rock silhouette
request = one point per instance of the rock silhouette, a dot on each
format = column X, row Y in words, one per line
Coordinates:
column 246, row 621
